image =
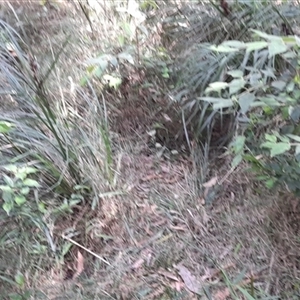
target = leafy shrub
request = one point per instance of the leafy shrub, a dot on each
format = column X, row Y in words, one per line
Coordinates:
column 264, row 91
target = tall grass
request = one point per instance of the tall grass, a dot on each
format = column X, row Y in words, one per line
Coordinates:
column 67, row 141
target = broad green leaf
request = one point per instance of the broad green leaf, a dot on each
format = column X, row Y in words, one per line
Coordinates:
column 294, row 137
column 8, row 180
column 236, row 73
column 290, row 87
column 236, row 160
column 6, row 127
column 20, row 199
column 31, row 182
column 20, row 279
column 294, row 113
column 42, row 207
column 25, row 190
column 223, row 104
column 297, row 150
column 279, row 84
column 218, row 86
column 271, row 138
column 277, row 47
column 8, row 206
column 245, row 101
column 7, row 196
column 5, row 188
column 283, row 138
column 269, row 101
column 236, row 85
column 238, row 144
column 222, row 49
column 279, row 148
column 11, row 168
column 256, row 46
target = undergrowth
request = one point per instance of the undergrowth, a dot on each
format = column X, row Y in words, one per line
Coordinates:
column 94, row 212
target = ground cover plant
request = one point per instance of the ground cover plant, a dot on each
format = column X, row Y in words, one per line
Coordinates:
column 149, row 150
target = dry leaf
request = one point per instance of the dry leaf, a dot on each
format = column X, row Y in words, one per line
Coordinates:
column 137, row 264
column 167, row 118
column 189, row 280
column 80, row 264
column 210, row 183
column 167, row 274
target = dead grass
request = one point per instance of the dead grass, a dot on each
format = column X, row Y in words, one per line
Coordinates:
column 159, row 224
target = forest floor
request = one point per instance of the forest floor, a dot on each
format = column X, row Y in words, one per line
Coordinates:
column 160, row 239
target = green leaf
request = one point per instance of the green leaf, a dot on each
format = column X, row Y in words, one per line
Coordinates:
column 236, row 85
column 20, row 279
column 42, row 207
column 238, row 144
column 277, row 47
column 269, row 101
column 8, row 180
column 271, row 138
column 223, row 49
column 270, row 183
column 6, row 127
column 11, row 168
column 236, row 73
column 25, row 190
column 223, row 104
column 8, row 206
column 236, row 160
column 245, row 101
column 5, row 188
column 84, row 80
column 279, row 84
column 261, row 34
column 20, row 199
column 234, row 44
column 217, row 86
column 256, row 46
column 294, row 137
column 7, row 196
column 290, row 87
column 31, row 183
column 280, row 148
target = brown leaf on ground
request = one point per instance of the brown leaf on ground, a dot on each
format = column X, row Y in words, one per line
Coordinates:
column 190, row 280
column 137, row 264
column 213, row 181
column 80, row 264
column 167, row 274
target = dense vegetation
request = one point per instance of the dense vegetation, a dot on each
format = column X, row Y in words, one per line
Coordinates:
column 150, row 150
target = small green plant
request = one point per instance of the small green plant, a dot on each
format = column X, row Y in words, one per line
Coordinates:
column 17, row 186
